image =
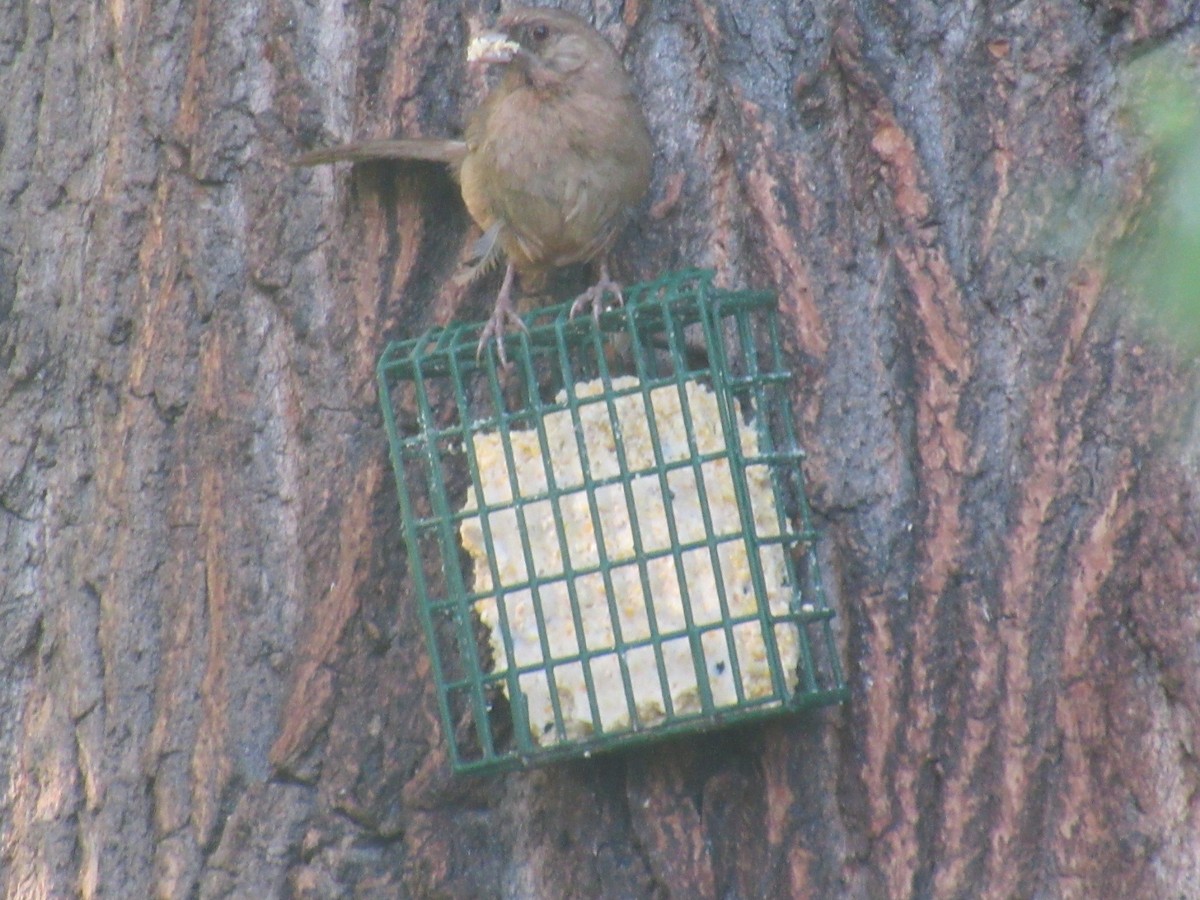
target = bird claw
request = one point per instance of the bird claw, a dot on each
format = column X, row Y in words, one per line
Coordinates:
column 594, row 297
column 497, row 326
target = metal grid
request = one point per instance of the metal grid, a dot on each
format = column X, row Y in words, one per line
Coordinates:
column 440, row 405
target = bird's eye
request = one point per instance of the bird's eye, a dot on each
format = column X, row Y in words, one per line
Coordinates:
column 539, row 33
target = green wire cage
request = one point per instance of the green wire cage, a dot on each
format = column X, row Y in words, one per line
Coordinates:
column 609, row 538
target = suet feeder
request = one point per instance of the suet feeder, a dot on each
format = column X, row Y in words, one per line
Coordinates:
column 609, row 538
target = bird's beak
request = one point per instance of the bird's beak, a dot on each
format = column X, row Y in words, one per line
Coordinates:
column 491, row 48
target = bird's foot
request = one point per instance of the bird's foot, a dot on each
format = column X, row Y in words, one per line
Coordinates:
column 594, row 296
column 504, row 319
column 503, row 316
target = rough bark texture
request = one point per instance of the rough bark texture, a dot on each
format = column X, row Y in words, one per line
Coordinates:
column 211, row 678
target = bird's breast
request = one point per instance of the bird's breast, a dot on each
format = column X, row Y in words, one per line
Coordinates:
column 559, row 174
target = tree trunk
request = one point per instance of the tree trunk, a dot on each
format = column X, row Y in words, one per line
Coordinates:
column 212, row 679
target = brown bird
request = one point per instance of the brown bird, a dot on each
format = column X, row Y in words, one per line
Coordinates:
column 552, row 163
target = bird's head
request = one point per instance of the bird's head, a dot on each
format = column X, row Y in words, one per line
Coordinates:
column 545, row 46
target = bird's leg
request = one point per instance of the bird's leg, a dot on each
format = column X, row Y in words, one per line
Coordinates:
column 594, row 296
column 503, row 315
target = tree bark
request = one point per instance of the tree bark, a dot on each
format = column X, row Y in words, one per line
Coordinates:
column 212, row 681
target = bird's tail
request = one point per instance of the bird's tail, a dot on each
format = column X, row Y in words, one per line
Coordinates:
column 440, row 150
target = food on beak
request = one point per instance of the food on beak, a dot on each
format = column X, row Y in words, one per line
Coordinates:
column 492, row 47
